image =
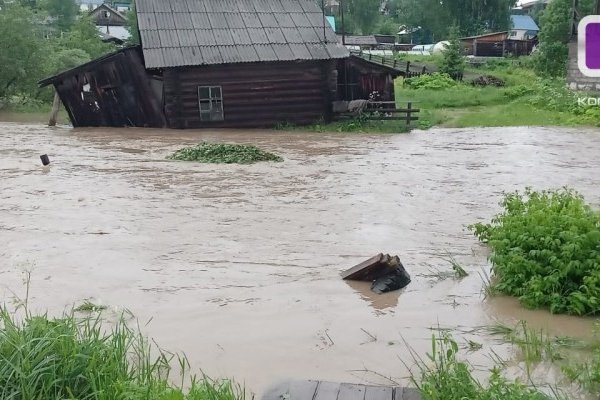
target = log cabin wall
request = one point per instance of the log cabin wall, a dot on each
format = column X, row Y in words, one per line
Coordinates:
column 253, row 94
column 112, row 91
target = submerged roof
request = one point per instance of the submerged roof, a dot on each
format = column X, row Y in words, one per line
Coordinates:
column 523, row 22
column 179, row 33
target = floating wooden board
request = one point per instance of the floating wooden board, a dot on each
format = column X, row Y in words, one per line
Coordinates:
column 372, row 268
column 364, row 270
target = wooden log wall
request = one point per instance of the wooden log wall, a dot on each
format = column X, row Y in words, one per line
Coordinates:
column 115, row 92
column 254, row 94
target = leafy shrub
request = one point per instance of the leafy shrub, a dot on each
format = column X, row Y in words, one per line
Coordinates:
column 223, row 153
column 435, row 81
column 515, row 92
column 553, row 95
column 546, row 250
column 488, row 80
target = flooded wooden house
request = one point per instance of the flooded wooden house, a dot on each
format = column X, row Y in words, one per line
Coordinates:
column 212, row 63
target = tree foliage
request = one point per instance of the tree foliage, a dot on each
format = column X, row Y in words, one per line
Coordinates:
column 22, row 49
column 364, row 13
column 30, row 49
column 435, row 17
column 132, row 26
column 63, row 12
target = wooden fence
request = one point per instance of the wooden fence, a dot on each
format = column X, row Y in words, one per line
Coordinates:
column 385, row 111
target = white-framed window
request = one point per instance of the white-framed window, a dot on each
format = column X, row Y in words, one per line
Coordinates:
column 513, row 33
column 210, row 102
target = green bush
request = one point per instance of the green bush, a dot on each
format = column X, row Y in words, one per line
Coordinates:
column 223, row 153
column 435, row 81
column 71, row 358
column 546, row 250
column 518, row 91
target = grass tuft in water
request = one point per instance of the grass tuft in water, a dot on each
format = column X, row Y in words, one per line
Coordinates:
column 88, row 306
column 444, row 377
column 71, row 358
column 224, row 153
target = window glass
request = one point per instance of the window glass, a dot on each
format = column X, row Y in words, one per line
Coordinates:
column 210, row 101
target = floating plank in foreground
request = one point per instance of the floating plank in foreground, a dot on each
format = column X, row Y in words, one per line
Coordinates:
column 320, row 390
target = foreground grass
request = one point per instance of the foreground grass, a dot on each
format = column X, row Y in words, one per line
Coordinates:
column 70, row 358
column 444, row 377
column 224, row 153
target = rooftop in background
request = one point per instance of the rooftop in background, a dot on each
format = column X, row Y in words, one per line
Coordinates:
column 367, row 40
column 201, row 32
column 523, row 22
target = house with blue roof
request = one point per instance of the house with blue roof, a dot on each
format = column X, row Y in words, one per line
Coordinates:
column 523, row 27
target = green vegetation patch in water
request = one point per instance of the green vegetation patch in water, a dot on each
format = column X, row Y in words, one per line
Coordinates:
column 224, row 153
column 546, row 250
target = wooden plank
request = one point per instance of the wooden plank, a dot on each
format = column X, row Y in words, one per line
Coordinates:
column 359, row 271
column 379, row 393
column 350, row 391
column 327, row 391
column 302, row 390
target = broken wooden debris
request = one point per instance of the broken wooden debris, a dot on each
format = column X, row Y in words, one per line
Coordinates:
column 386, row 272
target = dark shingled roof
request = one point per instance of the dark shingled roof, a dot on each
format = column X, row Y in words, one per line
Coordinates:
column 177, row 33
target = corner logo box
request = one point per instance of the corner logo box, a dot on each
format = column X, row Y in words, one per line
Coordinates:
column 588, row 46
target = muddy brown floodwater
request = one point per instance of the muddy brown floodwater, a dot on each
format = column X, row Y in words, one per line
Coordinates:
column 238, row 265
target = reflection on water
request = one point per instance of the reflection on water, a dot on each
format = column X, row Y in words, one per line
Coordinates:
column 238, row 265
column 382, row 303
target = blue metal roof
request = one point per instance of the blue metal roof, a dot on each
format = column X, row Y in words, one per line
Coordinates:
column 523, row 22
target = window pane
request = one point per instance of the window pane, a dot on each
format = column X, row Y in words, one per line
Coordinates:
column 217, row 105
column 216, row 92
column 204, row 92
column 204, row 105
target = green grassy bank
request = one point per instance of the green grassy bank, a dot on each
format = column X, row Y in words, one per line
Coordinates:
column 525, row 100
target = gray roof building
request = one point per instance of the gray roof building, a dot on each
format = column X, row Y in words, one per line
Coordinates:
column 179, row 33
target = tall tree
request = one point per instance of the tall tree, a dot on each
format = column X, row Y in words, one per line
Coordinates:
column 64, row 12
column 83, row 35
column 554, row 36
column 132, row 25
column 364, row 13
column 22, row 49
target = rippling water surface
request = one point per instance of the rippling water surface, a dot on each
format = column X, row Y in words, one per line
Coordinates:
column 238, row 265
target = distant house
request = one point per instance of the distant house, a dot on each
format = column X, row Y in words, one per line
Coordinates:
column 529, row 6
column 110, row 23
column 523, row 27
column 207, row 63
column 354, row 42
column 496, row 44
column 90, row 5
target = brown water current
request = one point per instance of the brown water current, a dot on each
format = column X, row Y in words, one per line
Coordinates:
column 238, row 265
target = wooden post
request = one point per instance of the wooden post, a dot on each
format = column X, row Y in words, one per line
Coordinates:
column 408, row 113
column 475, row 47
column 55, row 108
column 504, row 48
column 395, row 63
column 407, row 67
